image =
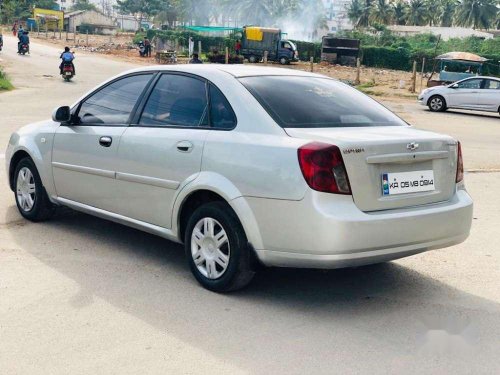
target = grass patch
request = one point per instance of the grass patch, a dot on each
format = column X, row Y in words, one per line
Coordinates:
column 366, row 85
column 5, row 84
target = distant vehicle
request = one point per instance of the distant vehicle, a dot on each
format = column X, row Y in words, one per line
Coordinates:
column 257, row 40
column 217, row 157
column 476, row 93
column 341, row 51
column 455, row 66
column 24, row 49
column 68, row 71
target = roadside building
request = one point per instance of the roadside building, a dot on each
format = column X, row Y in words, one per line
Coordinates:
column 445, row 32
column 94, row 21
column 336, row 16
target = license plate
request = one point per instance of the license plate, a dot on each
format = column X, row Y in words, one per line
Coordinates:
column 68, row 73
column 407, row 182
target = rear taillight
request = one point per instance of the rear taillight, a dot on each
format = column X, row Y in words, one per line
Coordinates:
column 323, row 168
column 460, row 164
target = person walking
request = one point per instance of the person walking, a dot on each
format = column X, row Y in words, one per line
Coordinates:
column 237, row 47
column 147, row 47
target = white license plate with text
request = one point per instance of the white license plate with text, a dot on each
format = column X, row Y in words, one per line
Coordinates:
column 407, row 182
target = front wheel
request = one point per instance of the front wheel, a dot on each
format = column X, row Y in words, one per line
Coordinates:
column 31, row 199
column 217, row 248
column 437, row 103
column 284, row 61
column 252, row 59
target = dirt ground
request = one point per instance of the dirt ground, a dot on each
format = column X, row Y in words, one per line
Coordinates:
column 383, row 83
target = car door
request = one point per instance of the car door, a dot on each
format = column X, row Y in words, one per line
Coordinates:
column 489, row 95
column 162, row 150
column 465, row 94
column 84, row 151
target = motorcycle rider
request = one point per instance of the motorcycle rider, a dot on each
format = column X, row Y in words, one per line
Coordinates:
column 24, row 39
column 67, row 57
column 20, row 33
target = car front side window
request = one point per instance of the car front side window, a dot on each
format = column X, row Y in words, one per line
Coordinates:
column 176, row 100
column 113, row 104
column 470, row 84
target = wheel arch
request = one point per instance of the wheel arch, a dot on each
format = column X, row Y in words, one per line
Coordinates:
column 440, row 95
column 209, row 187
column 15, row 159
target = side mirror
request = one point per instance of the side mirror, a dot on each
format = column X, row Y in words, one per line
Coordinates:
column 61, row 114
column 454, row 86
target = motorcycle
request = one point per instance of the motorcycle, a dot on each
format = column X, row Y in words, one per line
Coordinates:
column 68, row 72
column 25, row 48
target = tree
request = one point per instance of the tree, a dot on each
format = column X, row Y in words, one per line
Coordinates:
column 446, row 11
column 476, row 13
column 83, row 5
column 359, row 12
column 141, row 8
column 399, row 11
column 416, row 13
column 382, row 12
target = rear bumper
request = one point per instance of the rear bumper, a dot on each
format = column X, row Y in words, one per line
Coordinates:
column 326, row 231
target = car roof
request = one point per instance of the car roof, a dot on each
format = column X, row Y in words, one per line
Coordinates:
column 480, row 77
column 236, row 71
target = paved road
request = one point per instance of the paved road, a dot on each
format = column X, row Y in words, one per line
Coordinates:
column 80, row 295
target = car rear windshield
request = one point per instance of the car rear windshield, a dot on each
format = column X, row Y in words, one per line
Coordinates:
column 310, row 102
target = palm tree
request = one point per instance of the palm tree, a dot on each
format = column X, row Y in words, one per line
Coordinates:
column 446, row 12
column 382, row 12
column 399, row 11
column 416, row 13
column 476, row 13
column 355, row 11
column 433, row 12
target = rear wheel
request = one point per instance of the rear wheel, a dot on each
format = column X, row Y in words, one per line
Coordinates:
column 31, row 198
column 217, row 248
column 252, row 59
column 437, row 103
column 284, row 61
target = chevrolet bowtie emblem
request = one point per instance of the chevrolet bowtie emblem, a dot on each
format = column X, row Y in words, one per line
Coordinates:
column 412, row 146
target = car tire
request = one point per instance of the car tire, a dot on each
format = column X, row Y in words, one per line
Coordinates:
column 436, row 103
column 252, row 59
column 31, row 198
column 284, row 61
column 217, row 248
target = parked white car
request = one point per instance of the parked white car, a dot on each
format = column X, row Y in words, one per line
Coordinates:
column 475, row 93
column 246, row 165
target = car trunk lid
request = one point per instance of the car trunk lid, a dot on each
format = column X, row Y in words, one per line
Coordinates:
column 401, row 155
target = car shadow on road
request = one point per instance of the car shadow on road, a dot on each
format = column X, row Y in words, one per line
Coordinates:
column 389, row 306
column 490, row 115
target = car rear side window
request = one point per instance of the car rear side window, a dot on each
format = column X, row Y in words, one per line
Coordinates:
column 491, row 84
column 310, row 102
column 221, row 113
column 113, row 104
column 176, row 100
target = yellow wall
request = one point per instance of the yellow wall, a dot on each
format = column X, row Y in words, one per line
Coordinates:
column 52, row 24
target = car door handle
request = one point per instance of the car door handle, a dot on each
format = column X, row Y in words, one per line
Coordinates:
column 184, row 146
column 105, row 141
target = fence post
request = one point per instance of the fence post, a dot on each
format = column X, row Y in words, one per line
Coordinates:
column 66, row 35
column 414, row 77
column 54, row 33
column 265, row 57
column 60, row 34
column 227, row 55
column 199, row 49
column 422, row 75
column 74, row 36
column 38, row 30
column 358, row 72
column 87, row 37
column 311, row 61
column 46, row 31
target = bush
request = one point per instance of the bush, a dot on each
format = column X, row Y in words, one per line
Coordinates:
column 4, row 82
column 386, row 57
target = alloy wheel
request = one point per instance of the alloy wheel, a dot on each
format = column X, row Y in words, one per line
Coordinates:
column 25, row 189
column 210, row 248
